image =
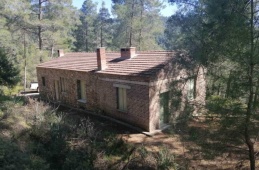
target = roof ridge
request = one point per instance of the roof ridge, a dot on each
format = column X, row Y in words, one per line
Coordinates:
column 80, row 52
column 160, row 51
column 148, row 62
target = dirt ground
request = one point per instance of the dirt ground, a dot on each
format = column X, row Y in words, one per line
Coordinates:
column 195, row 154
column 195, row 144
column 189, row 159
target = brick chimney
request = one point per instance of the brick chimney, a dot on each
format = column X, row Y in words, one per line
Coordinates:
column 61, row 53
column 101, row 58
column 129, row 52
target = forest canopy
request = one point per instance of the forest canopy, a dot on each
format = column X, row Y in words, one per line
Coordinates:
column 32, row 31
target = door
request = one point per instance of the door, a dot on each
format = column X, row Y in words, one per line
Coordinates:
column 164, row 109
column 57, row 90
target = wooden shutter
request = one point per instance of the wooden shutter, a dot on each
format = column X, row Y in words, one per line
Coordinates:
column 117, row 97
column 121, row 99
column 124, row 99
column 78, row 89
column 43, row 81
column 83, row 90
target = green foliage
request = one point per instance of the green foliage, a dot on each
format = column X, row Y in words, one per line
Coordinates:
column 85, row 33
column 56, row 22
column 222, row 35
column 20, row 33
column 176, row 95
column 46, row 136
column 38, row 163
column 51, row 146
column 9, row 91
column 231, row 113
column 103, row 26
column 41, row 137
column 138, row 23
column 8, row 72
column 114, row 145
column 221, row 105
column 11, row 157
column 166, row 160
column 79, row 159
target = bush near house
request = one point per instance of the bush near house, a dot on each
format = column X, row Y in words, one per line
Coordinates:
column 34, row 135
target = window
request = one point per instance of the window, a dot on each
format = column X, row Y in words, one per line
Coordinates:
column 121, row 91
column 190, row 90
column 63, row 84
column 43, row 81
column 81, row 90
column 121, row 99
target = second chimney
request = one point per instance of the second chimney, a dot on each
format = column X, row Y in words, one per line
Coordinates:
column 101, row 58
column 127, row 53
column 61, row 53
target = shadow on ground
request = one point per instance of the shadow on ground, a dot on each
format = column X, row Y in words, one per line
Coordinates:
column 200, row 143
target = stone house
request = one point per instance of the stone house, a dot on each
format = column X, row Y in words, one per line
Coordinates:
column 134, row 87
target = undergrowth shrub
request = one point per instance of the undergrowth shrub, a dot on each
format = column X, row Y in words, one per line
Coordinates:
column 141, row 158
column 11, row 157
column 38, row 163
column 82, row 158
column 115, row 146
column 225, row 106
column 56, row 140
column 166, row 160
column 230, row 114
column 10, row 106
column 8, row 91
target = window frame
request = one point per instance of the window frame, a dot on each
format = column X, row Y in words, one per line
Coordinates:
column 125, row 99
column 81, row 91
column 43, row 80
column 122, row 99
column 63, row 84
column 191, row 89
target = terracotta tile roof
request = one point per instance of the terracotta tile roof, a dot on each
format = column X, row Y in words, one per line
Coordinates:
column 144, row 64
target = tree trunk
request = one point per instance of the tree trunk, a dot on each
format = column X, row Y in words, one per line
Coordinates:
column 228, row 85
column 39, row 27
column 131, row 22
column 141, row 25
column 52, row 51
column 256, row 95
column 25, row 61
column 86, row 37
column 102, row 34
column 249, row 111
column 218, row 90
column 40, row 38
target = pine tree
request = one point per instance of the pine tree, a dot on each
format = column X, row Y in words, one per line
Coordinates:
column 138, row 23
column 103, row 27
column 53, row 21
column 85, row 34
column 20, row 25
column 223, row 36
column 8, row 72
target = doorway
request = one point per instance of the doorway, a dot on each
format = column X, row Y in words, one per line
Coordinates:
column 164, row 109
column 56, row 84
